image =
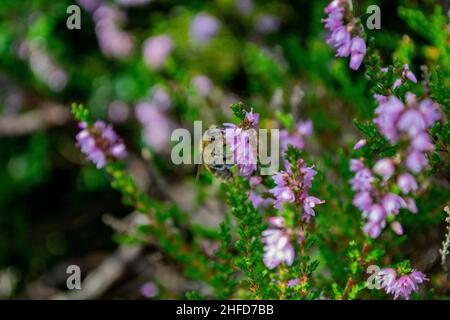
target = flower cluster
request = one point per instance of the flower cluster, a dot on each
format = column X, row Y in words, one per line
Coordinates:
column 292, row 186
column 345, row 32
column 100, row 143
column 277, row 244
column 296, row 138
column 397, row 122
column 156, row 125
column 404, row 285
column 376, row 201
column 242, row 141
column 405, row 73
column 395, row 119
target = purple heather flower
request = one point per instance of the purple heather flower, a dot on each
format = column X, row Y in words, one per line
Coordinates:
column 242, row 141
column 411, row 205
column 403, row 287
column 356, row 165
column 387, row 277
column 202, row 84
column 406, row 74
column 113, row 41
column 161, row 98
column 308, row 205
column 156, row 49
column 406, row 183
column 100, row 142
column 277, row 246
column 388, row 115
column 392, row 203
column 363, row 201
column 295, row 138
column 357, row 52
column 376, row 221
column 422, row 142
column 258, row 201
column 204, row 27
column 156, row 125
column 362, row 181
column 118, row 111
column 397, row 227
column 416, row 161
column 361, row 143
column 385, row 168
column 412, row 122
column 430, row 111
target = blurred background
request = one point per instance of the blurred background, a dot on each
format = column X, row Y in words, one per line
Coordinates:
column 149, row 66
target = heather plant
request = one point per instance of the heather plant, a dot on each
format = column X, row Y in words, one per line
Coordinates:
column 355, row 209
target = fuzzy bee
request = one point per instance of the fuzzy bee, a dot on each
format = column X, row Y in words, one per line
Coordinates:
column 215, row 153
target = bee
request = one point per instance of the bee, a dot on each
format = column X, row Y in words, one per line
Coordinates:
column 215, row 153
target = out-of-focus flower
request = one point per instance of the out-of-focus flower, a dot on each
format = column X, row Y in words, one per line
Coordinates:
column 361, row 143
column 385, row 168
column 202, row 84
column 155, row 51
column 277, row 244
column 267, row 23
column 244, row 6
column 100, row 143
column 157, row 127
column 118, row 111
column 149, row 290
column 43, row 65
column 113, row 41
column 204, row 27
column 296, row 138
column 406, row 183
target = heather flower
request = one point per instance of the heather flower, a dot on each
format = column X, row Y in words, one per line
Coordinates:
column 397, row 228
column 242, row 141
column 204, row 27
column 113, row 41
column 202, row 84
column 157, row 127
column 362, row 200
column 277, row 245
column 296, row 138
column 385, row 168
column 416, row 161
column 357, row 52
column 156, row 49
column 362, row 181
column 308, row 205
column 406, row 183
column 386, row 278
column 100, row 143
column 405, row 74
column 361, row 143
column 392, row 203
column 344, row 32
column 292, row 188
